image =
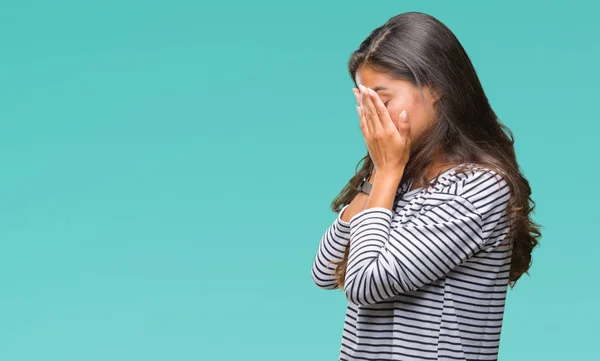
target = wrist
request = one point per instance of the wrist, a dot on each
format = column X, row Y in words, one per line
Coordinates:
column 392, row 175
column 371, row 176
column 387, row 178
column 384, row 190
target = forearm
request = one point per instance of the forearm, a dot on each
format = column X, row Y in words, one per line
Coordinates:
column 369, row 232
column 383, row 192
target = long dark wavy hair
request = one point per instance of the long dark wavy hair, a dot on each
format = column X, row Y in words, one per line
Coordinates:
column 418, row 48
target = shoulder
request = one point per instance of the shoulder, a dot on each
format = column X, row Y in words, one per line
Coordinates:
column 485, row 188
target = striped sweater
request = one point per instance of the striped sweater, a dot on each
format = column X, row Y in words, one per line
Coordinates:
column 427, row 281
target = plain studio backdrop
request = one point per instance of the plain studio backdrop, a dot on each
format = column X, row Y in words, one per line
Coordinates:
column 168, row 166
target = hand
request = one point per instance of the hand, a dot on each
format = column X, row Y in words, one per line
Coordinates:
column 388, row 143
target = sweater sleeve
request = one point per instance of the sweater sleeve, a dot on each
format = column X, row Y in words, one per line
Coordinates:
column 331, row 248
column 385, row 261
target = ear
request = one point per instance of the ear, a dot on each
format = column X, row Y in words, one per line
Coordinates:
column 433, row 93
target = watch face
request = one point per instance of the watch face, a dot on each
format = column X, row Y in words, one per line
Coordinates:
column 367, row 188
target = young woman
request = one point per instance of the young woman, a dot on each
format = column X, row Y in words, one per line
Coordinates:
column 435, row 225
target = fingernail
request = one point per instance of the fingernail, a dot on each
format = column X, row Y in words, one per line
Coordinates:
column 403, row 116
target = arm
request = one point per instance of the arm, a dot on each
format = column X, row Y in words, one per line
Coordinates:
column 334, row 242
column 385, row 261
column 358, row 203
column 331, row 248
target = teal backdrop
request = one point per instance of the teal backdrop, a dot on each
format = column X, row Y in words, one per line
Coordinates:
column 168, row 166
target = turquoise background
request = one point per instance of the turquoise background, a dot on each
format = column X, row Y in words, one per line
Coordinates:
column 167, row 170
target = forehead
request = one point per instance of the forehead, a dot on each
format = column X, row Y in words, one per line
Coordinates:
column 371, row 78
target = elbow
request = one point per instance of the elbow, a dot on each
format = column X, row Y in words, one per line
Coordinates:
column 369, row 293
column 348, row 292
column 357, row 300
column 357, row 295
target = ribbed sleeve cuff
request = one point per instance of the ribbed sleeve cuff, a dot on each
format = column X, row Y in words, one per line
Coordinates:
column 370, row 213
column 341, row 224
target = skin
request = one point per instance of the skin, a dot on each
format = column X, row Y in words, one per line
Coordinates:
column 381, row 102
column 400, row 95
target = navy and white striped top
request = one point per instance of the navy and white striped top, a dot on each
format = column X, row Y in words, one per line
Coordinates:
column 427, row 281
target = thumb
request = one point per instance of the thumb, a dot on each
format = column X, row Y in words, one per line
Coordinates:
column 404, row 125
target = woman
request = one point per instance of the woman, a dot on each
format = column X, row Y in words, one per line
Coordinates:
column 425, row 250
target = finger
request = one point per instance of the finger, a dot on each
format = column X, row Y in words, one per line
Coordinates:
column 363, row 109
column 370, row 114
column 373, row 110
column 363, row 123
column 356, row 95
column 383, row 116
column 404, row 126
column 396, row 121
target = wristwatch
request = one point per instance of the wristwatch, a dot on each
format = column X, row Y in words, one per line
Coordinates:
column 364, row 185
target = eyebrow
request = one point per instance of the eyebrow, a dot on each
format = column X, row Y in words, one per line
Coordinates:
column 377, row 88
